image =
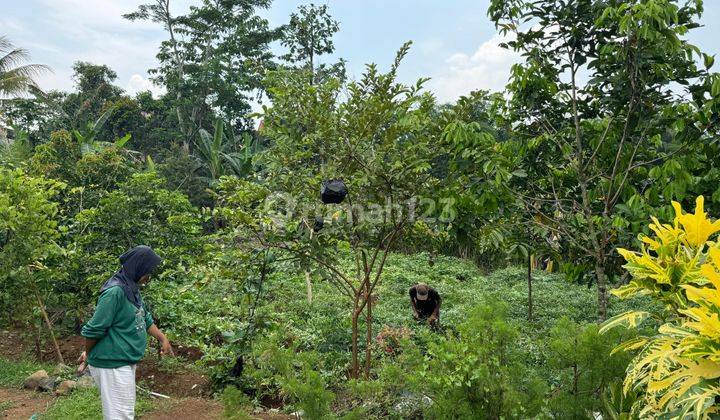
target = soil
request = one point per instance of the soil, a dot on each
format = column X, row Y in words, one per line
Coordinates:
column 189, row 408
column 198, row 408
column 181, row 383
column 23, row 404
column 190, row 390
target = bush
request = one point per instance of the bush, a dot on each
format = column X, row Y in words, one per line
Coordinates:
column 140, row 212
column 583, row 368
column 481, row 372
column 678, row 367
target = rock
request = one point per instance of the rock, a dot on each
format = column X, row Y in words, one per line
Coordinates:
column 85, row 381
column 412, row 405
column 65, row 388
column 34, row 381
column 61, row 368
column 47, row 384
column 274, row 411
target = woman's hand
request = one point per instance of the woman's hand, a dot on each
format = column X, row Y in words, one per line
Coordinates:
column 82, row 360
column 166, row 348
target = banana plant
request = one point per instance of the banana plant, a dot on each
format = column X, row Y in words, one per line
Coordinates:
column 87, row 138
column 217, row 158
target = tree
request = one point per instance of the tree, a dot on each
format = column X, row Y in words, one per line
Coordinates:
column 213, row 59
column 378, row 141
column 28, row 240
column 15, row 77
column 308, row 36
column 589, row 143
column 94, row 90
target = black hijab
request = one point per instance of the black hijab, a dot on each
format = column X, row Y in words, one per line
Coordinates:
column 136, row 263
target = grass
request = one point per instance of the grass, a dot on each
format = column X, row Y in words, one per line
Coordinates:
column 462, row 287
column 85, row 404
column 12, row 374
column 81, row 404
column 5, row 405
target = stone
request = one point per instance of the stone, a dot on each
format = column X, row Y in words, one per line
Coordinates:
column 33, row 381
column 411, row 405
column 85, row 381
column 65, row 388
column 47, row 384
column 61, row 368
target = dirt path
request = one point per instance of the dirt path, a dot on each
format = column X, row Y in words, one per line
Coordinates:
column 21, row 404
column 189, row 408
column 201, row 408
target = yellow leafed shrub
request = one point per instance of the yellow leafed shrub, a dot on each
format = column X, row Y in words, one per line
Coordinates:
column 678, row 367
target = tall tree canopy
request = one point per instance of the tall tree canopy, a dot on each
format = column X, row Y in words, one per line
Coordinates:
column 608, row 92
column 213, row 60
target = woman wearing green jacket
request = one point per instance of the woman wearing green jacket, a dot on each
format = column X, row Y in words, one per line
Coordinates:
column 116, row 336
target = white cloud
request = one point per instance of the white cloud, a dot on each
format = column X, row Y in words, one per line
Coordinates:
column 94, row 31
column 487, row 68
column 137, row 83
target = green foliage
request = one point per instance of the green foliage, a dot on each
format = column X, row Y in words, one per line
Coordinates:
column 141, row 211
column 16, row 76
column 85, row 404
column 57, row 158
column 298, row 374
column 236, row 404
column 14, row 152
column 28, row 238
column 213, row 59
column 603, row 151
column 308, row 36
column 217, row 156
column 481, row 372
column 584, row 366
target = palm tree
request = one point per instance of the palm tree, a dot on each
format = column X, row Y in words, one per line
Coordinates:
column 16, row 77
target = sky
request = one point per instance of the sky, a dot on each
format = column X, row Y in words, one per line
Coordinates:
column 454, row 43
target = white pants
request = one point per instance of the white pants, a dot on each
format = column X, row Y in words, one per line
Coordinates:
column 117, row 391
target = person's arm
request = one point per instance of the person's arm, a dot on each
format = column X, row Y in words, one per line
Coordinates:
column 436, row 312
column 165, row 349
column 416, row 315
column 97, row 328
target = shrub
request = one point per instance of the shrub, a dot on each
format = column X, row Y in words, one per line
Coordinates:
column 141, row 211
column 481, row 372
column 583, row 368
column 678, row 367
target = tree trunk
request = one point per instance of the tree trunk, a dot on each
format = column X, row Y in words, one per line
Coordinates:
column 50, row 329
column 38, row 339
column 529, row 280
column 308, row 284
column 355, row 369
column 369, row 329
column 602, row 290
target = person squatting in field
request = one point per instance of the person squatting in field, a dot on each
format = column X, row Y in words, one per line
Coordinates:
column 116, row 335
column 425, row 303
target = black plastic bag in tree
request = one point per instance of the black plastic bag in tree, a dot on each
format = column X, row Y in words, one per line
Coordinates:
column 333, row 191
